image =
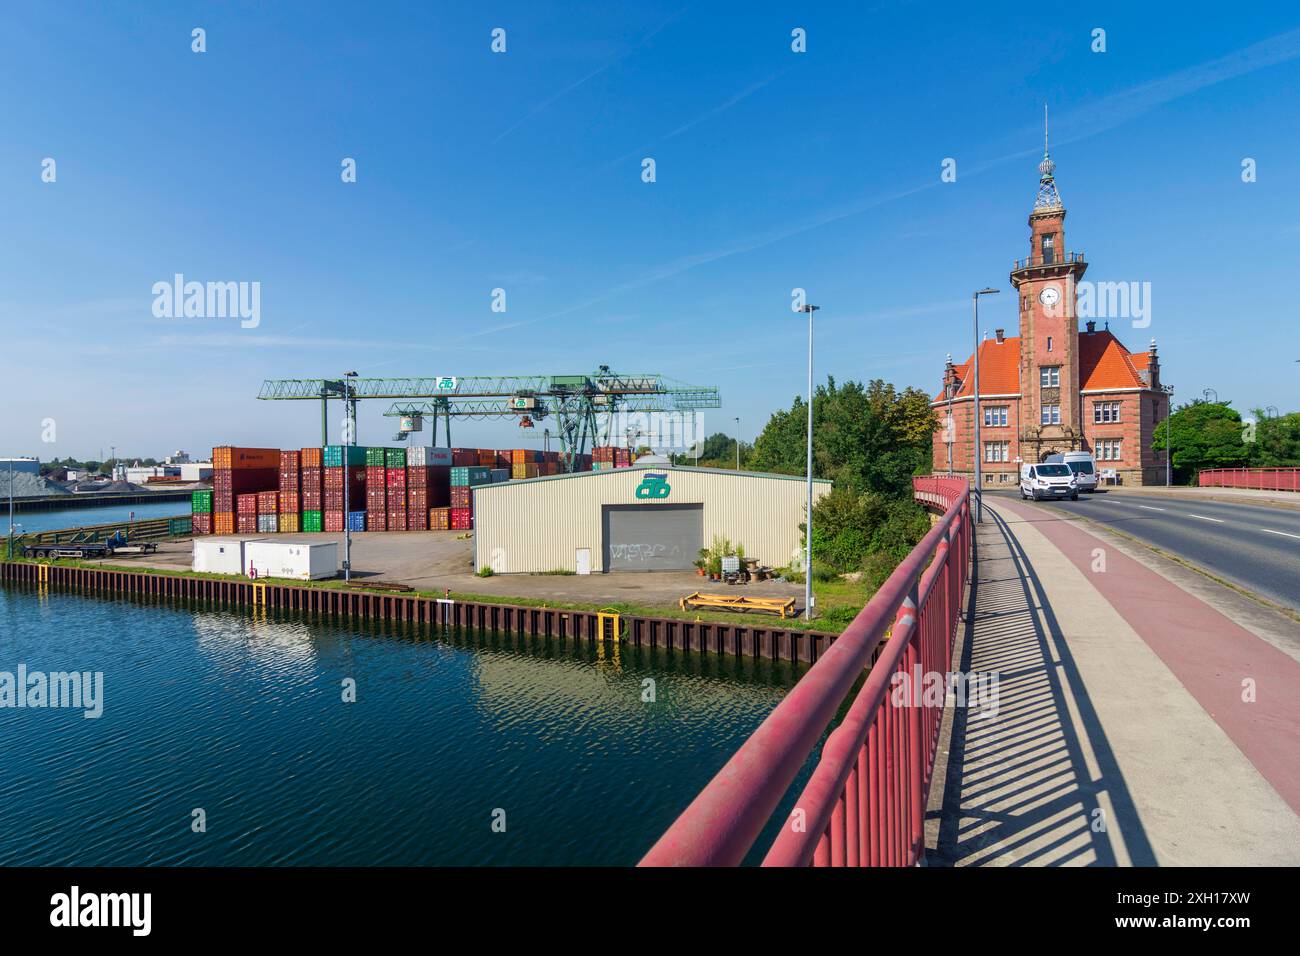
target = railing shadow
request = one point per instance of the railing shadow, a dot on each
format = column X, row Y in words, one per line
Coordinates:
column 1032, row 785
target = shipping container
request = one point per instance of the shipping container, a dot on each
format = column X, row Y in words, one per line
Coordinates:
column 246, row 504
column 395, row 458
column 311, row 458
column 177, row 526
column 377, row 518
column 311, row 521
column 462, row 496
column 228, row 457
column 427, row 456
column 268, row 523
column 439, row 519
column 201, row 502
column 219, row 555
column 332, row 455
column 268, row 502
column 417, row 519
column 223, row 522
column 357, row 520
column 462, row 457
column 397, row 521
column 332, row 520
column 226, row 484
column 290, row 501
column 295, row 560
column 470, row 476
column 289, row 522
column 375, row 457
column 462, row 519
column 201, row 524
column 500, row 474
column 246, row 523
column 529, row 469
column 312, row 486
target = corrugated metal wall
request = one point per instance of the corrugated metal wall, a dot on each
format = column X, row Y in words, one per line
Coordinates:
column 538, row 525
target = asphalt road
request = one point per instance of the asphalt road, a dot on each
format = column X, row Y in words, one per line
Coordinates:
column 1255, row 547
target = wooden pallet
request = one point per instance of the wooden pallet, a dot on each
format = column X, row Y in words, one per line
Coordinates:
column 738, row 602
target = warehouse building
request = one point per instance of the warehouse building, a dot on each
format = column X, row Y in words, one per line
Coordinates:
column 651, row 517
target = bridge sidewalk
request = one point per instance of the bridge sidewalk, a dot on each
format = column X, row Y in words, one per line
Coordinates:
column 1124, row 731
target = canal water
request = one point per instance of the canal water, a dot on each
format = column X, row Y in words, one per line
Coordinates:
column 243, row 718
column 31, row 521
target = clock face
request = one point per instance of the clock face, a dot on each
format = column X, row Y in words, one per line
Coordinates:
column 1049, row 296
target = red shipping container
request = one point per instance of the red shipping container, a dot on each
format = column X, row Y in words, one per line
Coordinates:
column 268, row 502
column 377, row 519
column 461, row 457
column 395, row 477
column 246, row 505
column 462, row 519
column 201, row 524
column 291, row 503
column 462, row 497
column 417, row 519
column 246, row 523
column 332, row 520
column 227, row 484
column 356, row 477
column 397, row 521
column 311, row 487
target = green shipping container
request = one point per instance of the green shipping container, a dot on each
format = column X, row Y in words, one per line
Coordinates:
column 177, row 526
column 201, row 502
column 311, row 521
column 332, row 455
column 375, row 457
column 395, row 457
column 462, row 476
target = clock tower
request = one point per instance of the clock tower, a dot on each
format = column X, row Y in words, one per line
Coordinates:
column 1049, row 328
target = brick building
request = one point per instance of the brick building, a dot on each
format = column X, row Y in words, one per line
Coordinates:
column 1052, row 388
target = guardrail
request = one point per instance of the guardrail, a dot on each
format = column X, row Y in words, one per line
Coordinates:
column 1264, row 479
column 864, row 804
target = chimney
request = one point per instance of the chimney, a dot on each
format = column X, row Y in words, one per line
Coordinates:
column 1092, row 326
column 1000, row 334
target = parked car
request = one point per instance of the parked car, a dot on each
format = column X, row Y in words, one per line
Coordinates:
column 1082, row 464
column 1048, row 480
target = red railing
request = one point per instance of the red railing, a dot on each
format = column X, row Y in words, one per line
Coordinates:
column 864, row 804
column 1265, row 479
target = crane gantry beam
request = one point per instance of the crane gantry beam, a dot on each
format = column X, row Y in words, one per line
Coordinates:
column 575, row 401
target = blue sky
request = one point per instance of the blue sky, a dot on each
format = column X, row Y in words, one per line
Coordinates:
column 522, row 171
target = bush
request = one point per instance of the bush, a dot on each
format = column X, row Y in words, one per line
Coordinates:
column 484, row 572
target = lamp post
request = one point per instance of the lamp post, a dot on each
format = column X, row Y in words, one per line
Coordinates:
column 807, row 562
column 1169, row 435
column 975, row 415
column 9, row 555
column 737, row 421
column 347, row 464
column 1206, row 393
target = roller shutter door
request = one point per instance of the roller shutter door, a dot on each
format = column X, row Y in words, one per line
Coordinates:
column 652, row 537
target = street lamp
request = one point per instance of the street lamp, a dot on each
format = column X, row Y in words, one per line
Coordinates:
column 979, row 487
column 347, row 463
column 1169, row 435
column 1206, row 393
column 807, row 562
column 737, row 421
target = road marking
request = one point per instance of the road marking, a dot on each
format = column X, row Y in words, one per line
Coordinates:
column 1149, row 508
column 1285, row 534
column 1204, row 518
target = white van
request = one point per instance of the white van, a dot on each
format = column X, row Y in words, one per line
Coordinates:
column 1048, row 480
column 1082, row 464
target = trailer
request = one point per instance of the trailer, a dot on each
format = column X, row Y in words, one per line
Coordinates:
column 87, row 550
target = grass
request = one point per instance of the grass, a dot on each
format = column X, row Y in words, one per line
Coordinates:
column 838, row 601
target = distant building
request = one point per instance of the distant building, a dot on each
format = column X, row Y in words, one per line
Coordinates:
column 1051, row 388
column 29, row 466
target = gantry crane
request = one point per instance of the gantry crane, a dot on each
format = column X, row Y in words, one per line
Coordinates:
column 578, row 403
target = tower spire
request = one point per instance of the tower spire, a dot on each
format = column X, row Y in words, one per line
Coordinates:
column 1048, row 196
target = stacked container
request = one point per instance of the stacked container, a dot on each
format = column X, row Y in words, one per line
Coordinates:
column 356, row 520
column 268, row 512
column 464, row 457
column 246, row 513
column 239, row 471
column 311, row 488
column 439, row 519
column 463, row 479
column 427, row 487
column 201, row 512
column 376, row 490
column 290, row 503
column 395, row 482
column 335, row 498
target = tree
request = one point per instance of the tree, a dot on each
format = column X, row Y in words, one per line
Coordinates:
column 865, row 438
column 1276, row 440
column 1205, row 435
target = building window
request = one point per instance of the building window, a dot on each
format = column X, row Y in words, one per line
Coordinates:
column 995, row 416
column 1049, row 376
column 1109, row 449
column 1049, row 343
column 997, row 451
column 1049, row 249
column 1105, row 413
column 1050, row 415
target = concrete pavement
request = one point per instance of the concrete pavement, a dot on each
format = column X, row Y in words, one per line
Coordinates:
column 1138, row 723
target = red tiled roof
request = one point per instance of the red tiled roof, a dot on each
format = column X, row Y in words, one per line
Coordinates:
column 1104, row 363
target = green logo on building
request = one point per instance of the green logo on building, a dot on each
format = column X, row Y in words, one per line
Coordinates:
column 653, row 486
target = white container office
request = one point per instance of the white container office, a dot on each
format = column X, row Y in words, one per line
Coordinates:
column 296, row 560
column 219, row 555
